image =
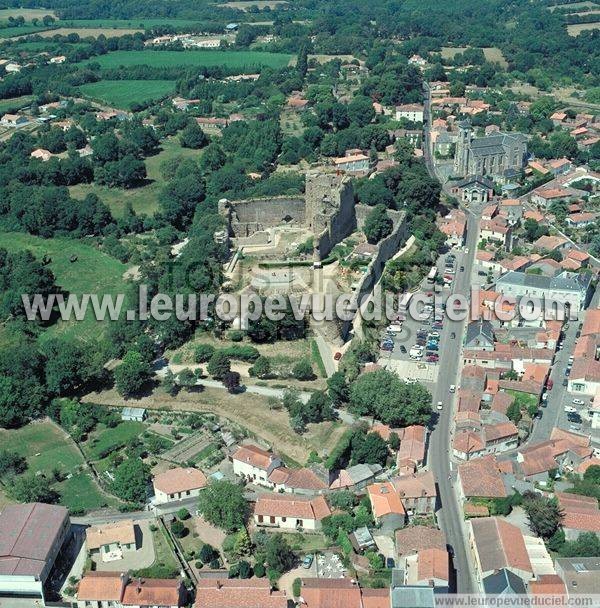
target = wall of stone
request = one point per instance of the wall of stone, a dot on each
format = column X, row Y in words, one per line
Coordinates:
column 388, row 247
column 249, row 216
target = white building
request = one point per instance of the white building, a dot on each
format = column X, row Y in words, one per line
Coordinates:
column 255, row 464
column 410, row 111
column 291, row 512
column 178, row 484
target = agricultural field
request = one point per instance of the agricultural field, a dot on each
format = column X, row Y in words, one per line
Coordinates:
column 27, row 13
column 244, row 61
column 491, row 53
column 47, row 448
column 577, row 28
column 244, row 5
column 141, row 23
column 90, row 32
column 582, row 5
column 73, row 277
column 25, row 30
column 16, row 103
column 145, row 198
column 123, row 93
column 104, row 439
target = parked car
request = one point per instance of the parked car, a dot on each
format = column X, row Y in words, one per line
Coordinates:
column 307, row 561
column 578, row 402
column 337, row 356
column 432, row 359
column 402, row 349
column 432, row 346
column 387, row 347
column 462, row 268
column 566, row 382
column 440, row 405
column 452, row 388
column 573, row 417
column 434, row 334
column 390, row 563
column 453, row 335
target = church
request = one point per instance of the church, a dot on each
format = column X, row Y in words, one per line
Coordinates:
column 498, row 155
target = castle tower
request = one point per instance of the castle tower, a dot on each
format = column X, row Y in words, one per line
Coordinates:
column 461, row 156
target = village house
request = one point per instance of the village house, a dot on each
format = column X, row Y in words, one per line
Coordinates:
column 111, row 541
column 291, row 512
column 13, row 120
column 355, row 477
column 411, row 454
column 580, row 514
column 120, row 590
column 41, row 154
column 178, row 484
column 413, row 539
column 354, row 163
column 488, row 439
column 495, row 545
column 388, row 510
column 429, row 568
column 249, row 593
column 298, row 481
column 410, row 111
column 581, row 575
column 511, row 209
column 480, row 336
column 480, row 478
column 418, row 493
column 340, row 592
column 585, row 373
column 255, row 464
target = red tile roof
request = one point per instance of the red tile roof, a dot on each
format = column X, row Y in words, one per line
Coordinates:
column 433, row 564
column 255, row 456
column 385, row 500
column 412, row 539
column 283, row 505
column 481, row 478
column 180, row 480
column 233, row 593
column 330, row 593
column 547, row 584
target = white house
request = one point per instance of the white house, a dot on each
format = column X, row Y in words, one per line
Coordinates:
column 255, row 464
column 178, row 484
column 291, row 512
column 410, row 111
column 111, row 541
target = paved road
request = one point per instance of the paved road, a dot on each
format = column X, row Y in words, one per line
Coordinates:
column 450, row 515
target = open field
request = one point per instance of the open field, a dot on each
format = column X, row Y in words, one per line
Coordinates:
column 141, row 23
column 123, row 93
column 47, row 448
column 93, row 32
column 27, row 13
column 574, row 5
column 244, row 5
column 145, row 198
column 577, row 28
column 244, row 61
column 16, row 103
column 73, row 277
column 491, row 53
column 249, row 410
column 24, row 30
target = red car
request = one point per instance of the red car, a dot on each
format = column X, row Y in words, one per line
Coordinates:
column 337, row 356
column 432, row 359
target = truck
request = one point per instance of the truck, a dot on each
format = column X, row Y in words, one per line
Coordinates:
column 432, row 274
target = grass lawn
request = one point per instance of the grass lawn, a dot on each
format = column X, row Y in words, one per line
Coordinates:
column 90, row 32
column 123, row 93
column 492, row 53
column 93, row 272
column 27, row 13
column 106, row 438
column 243, row 61
column 46, row 448
column 143, row 199
column 577, row 28
column 16, row 103
column 141, row 23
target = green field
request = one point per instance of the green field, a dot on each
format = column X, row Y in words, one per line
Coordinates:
column 22, row 30
column 16, row 103
column 144, row 199
column 93, row 272
column 123, row 93
column 106, row 438
column 27, row 13
column 243, row 61
column 46, row 448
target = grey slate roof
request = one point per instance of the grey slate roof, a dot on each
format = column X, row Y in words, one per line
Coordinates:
column 413, row 597
column 565, row 281
column 503, row 582
column 480, row 332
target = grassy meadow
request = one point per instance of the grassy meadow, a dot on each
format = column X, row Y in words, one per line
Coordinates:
column 123, row 93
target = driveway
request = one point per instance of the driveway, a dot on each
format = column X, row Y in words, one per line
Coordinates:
column 286, row 582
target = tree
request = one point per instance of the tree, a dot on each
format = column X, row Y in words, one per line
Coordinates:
column 261, row 368
column 361, row 111
column 592, row 474
column 132, row 374
column 219, row 365
column 169, row 385
column 278, row 555
column 303, row 370
column 394, row 441
column 318, row 408
column 337, row 389
column 178, row 529
column 586, row 545
column 223, row 505
column 369, row 449
column 513, row 412
column 378, row 224
column 193, row 137
column 186, row 378
column 32, row 488
column 243, row 544
column 208, row 553
column 131, row 481
column 544, row 514
column 384, row 395
column 231, row 380
column 11, row 463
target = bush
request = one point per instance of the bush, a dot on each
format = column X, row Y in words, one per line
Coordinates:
column 259, row 570
column 241, row 352
column 215, row 564
column 178, row 529
column 203, row 353
column 207, row 553
column 183, row 514
column 244, row 569
column 303, row 370
column 236, row 335
column 297, row 587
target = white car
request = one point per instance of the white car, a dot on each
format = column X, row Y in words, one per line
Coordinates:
column 570, row 409
column 452, row 388
column 440, row 405
column 466, row 250
column 578, row 402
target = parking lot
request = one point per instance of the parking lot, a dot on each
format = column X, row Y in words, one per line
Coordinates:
column 412, row 350
column 329, row 565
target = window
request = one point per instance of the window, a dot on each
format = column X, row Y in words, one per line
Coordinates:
column 272, row 519
column 260, row 519
column 283, row 519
